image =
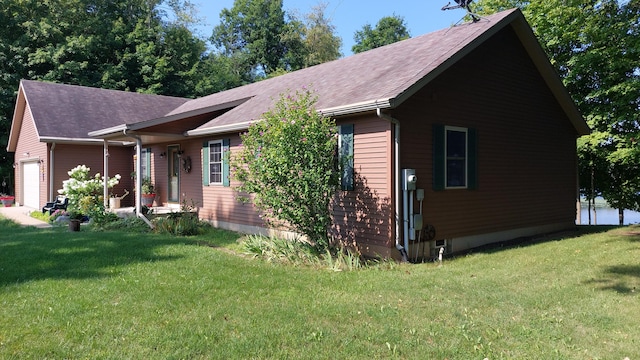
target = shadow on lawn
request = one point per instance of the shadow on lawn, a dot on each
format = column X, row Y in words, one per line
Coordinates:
column 581, row 230
column 28, row 254
column 623, row 279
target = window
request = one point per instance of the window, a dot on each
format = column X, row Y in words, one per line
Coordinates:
column 215, row 167
column 454, row 158
column 145, row 162
column 215, row 162
column 345, row 151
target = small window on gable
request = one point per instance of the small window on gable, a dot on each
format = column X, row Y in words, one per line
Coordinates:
column 454, row 158
column 215, row 169
column 345, row 151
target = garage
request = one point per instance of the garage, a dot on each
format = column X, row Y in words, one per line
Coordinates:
column 30, row 184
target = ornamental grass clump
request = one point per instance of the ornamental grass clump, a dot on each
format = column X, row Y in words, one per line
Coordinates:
column 286, row 166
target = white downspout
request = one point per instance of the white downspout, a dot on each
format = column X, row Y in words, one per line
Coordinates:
column 105, row 199
column 52, row 163
column 396, row 180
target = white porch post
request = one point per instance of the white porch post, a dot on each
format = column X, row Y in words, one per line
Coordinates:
column 106, row 174
column 138, row 175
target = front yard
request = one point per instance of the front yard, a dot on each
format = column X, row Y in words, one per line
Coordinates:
column 120, row 295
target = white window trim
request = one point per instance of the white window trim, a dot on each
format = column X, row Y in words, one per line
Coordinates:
column 466, row 157
column 221, row 182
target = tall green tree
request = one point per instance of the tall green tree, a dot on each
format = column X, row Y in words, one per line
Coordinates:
column 321, row 42
column 388, row 30
column 118, row 44
column 252, row 33
column 595, row 47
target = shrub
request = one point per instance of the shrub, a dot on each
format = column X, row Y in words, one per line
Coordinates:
column 281, row 250
column 183, row 223
column 131, row 223
column 85, row 193
column 287, row 167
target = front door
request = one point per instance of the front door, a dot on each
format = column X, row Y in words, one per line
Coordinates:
column 173, row 154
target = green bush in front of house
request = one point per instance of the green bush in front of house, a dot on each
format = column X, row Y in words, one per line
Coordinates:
column 287, row 166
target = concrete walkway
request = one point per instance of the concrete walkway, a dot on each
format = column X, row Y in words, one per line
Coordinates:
column 20, row 215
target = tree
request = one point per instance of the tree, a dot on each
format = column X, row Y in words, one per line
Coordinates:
column 116, row 44
column 595, row 47
column 388, row 30
column 287, row 166
column 251, row 31
column 320, row 41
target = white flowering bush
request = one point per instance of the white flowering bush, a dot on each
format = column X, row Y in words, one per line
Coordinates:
column 85, row 192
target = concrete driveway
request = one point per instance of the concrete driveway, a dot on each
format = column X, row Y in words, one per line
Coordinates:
column 20, row 214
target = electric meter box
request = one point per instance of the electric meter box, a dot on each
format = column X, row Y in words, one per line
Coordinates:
column 409, row 179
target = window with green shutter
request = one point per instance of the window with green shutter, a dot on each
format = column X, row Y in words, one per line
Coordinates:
column 454, row 157
column 345, row 151
column 215, row 162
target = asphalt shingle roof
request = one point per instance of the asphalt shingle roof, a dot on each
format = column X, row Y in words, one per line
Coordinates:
column 382, row 73
column 386, row 75
column 68, row 111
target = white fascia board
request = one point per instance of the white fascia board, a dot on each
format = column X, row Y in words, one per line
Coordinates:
column 80, row 141
column 220, row 129
column 358, row 107
column 108, row 131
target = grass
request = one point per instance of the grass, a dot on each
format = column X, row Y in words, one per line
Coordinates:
column 114, row 295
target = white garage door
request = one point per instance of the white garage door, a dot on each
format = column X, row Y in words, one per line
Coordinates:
column 30, row 182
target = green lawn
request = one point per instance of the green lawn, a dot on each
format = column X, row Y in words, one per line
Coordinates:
column 114, row 295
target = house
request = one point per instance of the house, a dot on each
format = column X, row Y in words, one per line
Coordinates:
column 49, row 134
column 460, row 138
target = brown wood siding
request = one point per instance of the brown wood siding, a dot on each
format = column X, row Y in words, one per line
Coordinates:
column 68, row 156
column 365, row 214
column 28, row 142
column 190, row 190
column 220, row 202
column 526, row 144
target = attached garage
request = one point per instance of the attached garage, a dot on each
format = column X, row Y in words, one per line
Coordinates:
column 30, row 182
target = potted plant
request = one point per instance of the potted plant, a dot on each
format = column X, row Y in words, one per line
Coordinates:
column 114, row 200
column 75, row 217
column 7, row 200
column 148, row 192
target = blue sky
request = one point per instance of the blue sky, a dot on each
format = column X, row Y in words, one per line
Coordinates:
column 349, row 16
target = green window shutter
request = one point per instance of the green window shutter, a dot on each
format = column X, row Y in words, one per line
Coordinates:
column 226, row 156
column 438, row 157
column 205, row 163
column 346, row 157
column 472, row 161
column 148, row 163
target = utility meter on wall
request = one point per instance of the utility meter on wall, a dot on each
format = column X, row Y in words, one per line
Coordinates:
column 409, row 179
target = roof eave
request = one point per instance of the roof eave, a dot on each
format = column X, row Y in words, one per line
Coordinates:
column 357, row 108
column 337, row 111
column 16, row 122
column 109, row 132
column 81, row 141
column 220, row 129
